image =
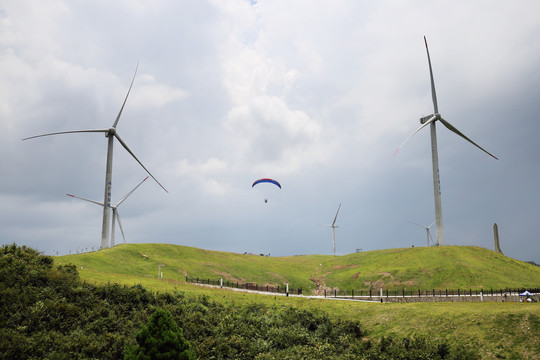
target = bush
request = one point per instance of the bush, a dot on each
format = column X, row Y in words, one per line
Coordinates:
column 160, row 338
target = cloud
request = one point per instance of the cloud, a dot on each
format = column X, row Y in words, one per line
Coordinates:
column 151, row 93
column 316, row 94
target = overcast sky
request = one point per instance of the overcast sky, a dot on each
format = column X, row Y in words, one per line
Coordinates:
column 315, row 94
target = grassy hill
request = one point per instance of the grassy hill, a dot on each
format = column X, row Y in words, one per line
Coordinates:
column 448, row 267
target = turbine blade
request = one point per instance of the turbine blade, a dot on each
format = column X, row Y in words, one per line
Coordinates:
column 422, row 226
column 129, row 90
column 453, row 129
column 129, row 193
column 67, row 132
column 336, row 215
column 431, row 224
column 92, row 201
column 433, row 118
column 140, row 163
column 433, row 94
column 120, row 225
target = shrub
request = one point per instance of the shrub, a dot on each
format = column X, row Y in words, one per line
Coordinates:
column 160, row 338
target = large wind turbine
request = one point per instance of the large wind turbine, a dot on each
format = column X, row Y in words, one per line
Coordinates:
column 334, row 227
column 110, row 133
column 116, row 214
column 428, row 233
column 431, row 119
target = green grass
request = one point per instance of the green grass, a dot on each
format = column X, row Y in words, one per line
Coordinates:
column 498, row 330
column 426, row 268
column 445, row 267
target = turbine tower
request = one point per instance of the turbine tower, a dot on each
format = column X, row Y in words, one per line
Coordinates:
column 431, row 119
column 116, row 214
column 428, row 233
column 334, row 227
column 111, row 134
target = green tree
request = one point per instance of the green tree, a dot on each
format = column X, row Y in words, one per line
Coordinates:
column 160, row 338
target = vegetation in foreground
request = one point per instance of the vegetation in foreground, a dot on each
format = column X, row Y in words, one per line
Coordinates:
column 47, row 312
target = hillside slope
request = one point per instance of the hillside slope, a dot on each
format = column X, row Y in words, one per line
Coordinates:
column 448, row 267
column 445, row 267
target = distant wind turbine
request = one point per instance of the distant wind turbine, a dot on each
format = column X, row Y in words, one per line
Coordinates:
column 334, row 227
column 428, row 233
column 431, row 119
column 110, row 133
column 116, row 214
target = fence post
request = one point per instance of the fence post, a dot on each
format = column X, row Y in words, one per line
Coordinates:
column 458, row 294
column 324, row 292
column 419, row 293
column 369, row 292
column 352, row 293
column 287, row 289
column 221, row 282
column 386, row 292
column 446, row 292
column 335, row 293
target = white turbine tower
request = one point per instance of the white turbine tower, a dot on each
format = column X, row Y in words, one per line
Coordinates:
column 334, row 227
column 116, row 214
column 431, row 119
column 111, row 134
column 428, row 233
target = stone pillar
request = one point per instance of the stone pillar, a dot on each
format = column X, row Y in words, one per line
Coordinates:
column 496, row 238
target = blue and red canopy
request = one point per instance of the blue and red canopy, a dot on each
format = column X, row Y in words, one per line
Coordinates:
column 272, row 181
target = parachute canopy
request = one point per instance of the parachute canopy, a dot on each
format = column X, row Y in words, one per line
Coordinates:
column 272, row 181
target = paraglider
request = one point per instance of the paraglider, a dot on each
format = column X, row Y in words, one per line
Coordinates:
column 266, row 180
column 272, row 181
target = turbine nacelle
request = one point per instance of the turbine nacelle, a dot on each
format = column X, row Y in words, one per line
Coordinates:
column 110, row 132
column 425, row 119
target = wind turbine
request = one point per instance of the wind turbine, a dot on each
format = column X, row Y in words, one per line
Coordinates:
column 431, row 119
column 116, row 214
column 111, row 134
column 428, row 233
column 334, row 227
